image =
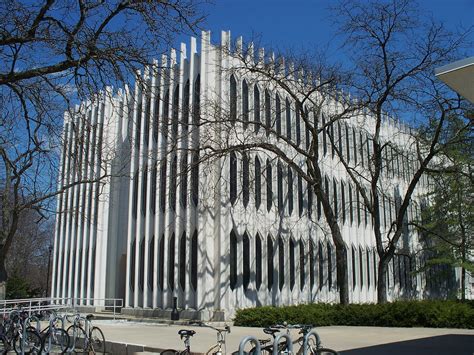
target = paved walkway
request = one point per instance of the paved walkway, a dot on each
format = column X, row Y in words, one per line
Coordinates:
column 348, row 340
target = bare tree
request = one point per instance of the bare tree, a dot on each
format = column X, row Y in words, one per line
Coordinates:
column 295, row 98
column 52, row 55
column 395, row 50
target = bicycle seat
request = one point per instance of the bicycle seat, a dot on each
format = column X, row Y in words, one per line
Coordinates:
column 186, row 333
column 89, row 316
column 271, row 331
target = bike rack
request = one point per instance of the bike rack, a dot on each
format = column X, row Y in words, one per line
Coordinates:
column 306, row 340
column 289, row 344
column 254, row 340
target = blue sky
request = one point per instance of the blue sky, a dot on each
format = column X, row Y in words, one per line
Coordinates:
column 305, row 23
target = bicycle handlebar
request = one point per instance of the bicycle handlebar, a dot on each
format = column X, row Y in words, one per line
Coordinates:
column 202, row 324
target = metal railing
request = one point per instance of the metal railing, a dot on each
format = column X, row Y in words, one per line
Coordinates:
column 32, row 305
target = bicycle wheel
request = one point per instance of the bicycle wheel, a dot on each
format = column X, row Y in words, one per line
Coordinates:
column 169, row 352
column 30, row 344
column 56, row 341
column 326, row 351
column 77, row 337
column 96, row 341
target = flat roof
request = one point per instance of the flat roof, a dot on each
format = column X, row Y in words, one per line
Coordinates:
column 459, row 76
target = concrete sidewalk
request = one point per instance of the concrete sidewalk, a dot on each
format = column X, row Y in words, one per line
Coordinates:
column 152, row 337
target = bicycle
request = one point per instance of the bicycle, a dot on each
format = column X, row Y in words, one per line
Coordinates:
column 221, row 334
column 54, row 339
column 185, row 334
column 89, row 338
column 17, row 334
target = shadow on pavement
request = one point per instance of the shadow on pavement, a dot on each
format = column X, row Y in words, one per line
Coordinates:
column 454, row 344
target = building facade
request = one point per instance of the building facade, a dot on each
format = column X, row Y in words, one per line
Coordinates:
column 157, row 216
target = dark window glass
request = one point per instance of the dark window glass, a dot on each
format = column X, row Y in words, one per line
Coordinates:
column 268, row 112
column 194, row 260
column 133, row 261
column 184, row 179
column 196, row 100
column 144, row 194
column 270, row 262
column 339, row 134
column 280, row 187
column 138, row 123
column 278, row 115
column 312, row 265
column 258, row 262
column 290, row 191
column 233, row 99
column 323, row 130
column 300, row 195
column 361, row 267
column 156, row 116
column 141, row 276
column 281, row 263
column 163, row 185
column 173, row 178
column 171, row 259
column 302, row 265
column 182, row 261
column 374, row 254
column 348, row 147
column 329, row 266
column 351, row 204
column 233, row 261
column 358, row 207
column 166, row 114
column 332, row 141
column 354, row 142
column 361, row 148
column 343, row 203
column 288, row 119
column 245, row 179
column 368, row 267
column 185, row 114
column 309, row 192
column 151, row 262
column 268, row 171
column 256, row 107
column 258, row 183
column 195, row 178
column 233, row 178
column 336, row 207
column 147, row 115
column 161, row 271
column 292, row 264
column 298, row 124
column 245, row 104
column 307, row 130
column 154, row 176
column 321, row 266
column 246, row 260
column 135, row 194
column 354, row 272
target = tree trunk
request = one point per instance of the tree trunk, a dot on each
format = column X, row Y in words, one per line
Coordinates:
column 342, row 278
column 382, row 281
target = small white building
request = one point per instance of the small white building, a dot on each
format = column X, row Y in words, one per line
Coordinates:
column 154, row 220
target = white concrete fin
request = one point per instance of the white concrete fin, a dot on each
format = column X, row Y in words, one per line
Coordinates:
column 261, row 56
column 173, row 57
column 281, row 66
column 205, row 40
column 238, row 45
column 193, row 46
column 291, row 70
column 183, row 54
column 225, row 40
column 250, row 52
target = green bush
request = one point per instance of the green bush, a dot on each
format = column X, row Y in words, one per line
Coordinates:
column 433, row 314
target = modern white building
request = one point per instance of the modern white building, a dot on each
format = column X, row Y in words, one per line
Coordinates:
column 155, row 220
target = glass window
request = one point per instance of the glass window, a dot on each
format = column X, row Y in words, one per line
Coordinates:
column 312, row 265
column 246, row 260
column 280, row 187
column 368, row 267
column 258, row 183
column 174, row 125
column 268, row 113
column 302, row 265
column 300, row 195
column 329, row 266
column 182, row 261
column 173, row 178
column 256, row 107
column 184, row 179
column 233, row 260
column 269, row 185
column 298, row 124
column 154, row 176
column 321, row 265
column 290, row 191
column 343, row 203
column 144, row 194
column 258, row 261
column 195, row 178
column 278, row 115
column 141, row 276
column 269, row 262
column 196, row 100
column 288, row 119
column 245, row 179
column 233, row 178
column 194, row 260
column 132, row 265
column 135, row 194
column 281, row 263
column 292, row 264
column 361, row 267
column 323, row 131
column 171, row 259
column 151, row 262
column 354, row 271
column 161, row 271
column 163, row 185
column 233, row 99
column 185, row 114
column 156, row 117
column 245, row 104
column 336, row 207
